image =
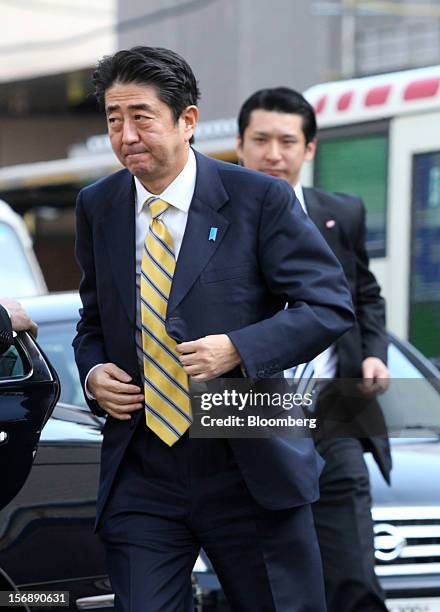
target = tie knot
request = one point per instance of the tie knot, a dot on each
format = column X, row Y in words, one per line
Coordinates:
column 157, row 207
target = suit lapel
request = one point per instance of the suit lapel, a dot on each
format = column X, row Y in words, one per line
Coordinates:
column 197, row 249
column 322, row 216
column 118, row 226
column 315, row 209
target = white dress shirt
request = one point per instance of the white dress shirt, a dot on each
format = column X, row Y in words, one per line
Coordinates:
column 325, row 364
column 178, row 194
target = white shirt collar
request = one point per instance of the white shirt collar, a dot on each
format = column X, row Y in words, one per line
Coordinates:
column 179, row 193
column 300, row 195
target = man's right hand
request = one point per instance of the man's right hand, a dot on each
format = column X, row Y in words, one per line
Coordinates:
column 20, row 320
column 112, row 389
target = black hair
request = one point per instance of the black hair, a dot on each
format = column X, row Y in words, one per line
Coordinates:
column 281, row 100
column 163, row 69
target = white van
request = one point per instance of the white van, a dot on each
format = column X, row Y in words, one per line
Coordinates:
column 20, row 273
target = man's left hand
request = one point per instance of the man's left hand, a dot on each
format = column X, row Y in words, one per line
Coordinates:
column 208, row 357
column 376, row 376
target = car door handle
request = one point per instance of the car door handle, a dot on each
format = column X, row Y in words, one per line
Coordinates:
column 94, row 602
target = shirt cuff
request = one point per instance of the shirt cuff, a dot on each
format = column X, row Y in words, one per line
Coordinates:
column 289, row 375
column 14, row 333
column 88, row 394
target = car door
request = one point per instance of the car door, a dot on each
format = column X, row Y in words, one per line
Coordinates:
column 29, row 390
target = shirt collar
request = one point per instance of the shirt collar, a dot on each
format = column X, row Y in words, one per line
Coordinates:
column 300, row 195
column 179, row 193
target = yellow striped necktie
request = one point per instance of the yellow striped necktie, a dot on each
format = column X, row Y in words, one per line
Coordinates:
column 167, row 401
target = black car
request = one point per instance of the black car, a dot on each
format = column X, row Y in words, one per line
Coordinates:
column 46, row 530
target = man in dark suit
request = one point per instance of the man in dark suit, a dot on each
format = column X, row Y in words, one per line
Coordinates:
column 277, row 134
column 187, row 265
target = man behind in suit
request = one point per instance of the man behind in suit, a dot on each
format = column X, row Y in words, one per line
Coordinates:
column 277, row 134
column 187, row 264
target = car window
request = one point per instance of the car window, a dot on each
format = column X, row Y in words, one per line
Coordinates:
column 411, row 405
column 56, row 341
column 14, row 364
column 399, row 364
column 16, row 277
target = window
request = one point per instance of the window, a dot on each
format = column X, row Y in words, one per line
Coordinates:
column 16, row 276
column 56, row 341
column 358, row 165
column 14, row 363
column 424, row 318
column 411, row 406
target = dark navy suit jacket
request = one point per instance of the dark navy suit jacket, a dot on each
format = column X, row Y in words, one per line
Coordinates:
column 6, row 338
column 266, row 253
column 341, row 220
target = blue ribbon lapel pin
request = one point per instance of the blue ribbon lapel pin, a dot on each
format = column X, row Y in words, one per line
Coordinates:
column 213, row 233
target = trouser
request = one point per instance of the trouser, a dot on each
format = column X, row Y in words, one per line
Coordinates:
column 345, row 529
column 166, row 503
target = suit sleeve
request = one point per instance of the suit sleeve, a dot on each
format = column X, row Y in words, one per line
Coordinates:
column 6, row 337
column 370, row 305
column 298, row 267
column 88, row 343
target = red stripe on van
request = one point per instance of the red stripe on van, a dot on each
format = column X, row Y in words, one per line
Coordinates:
column 377, row 95
column 319, row 106
column 345, row 100
column 423, row 88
